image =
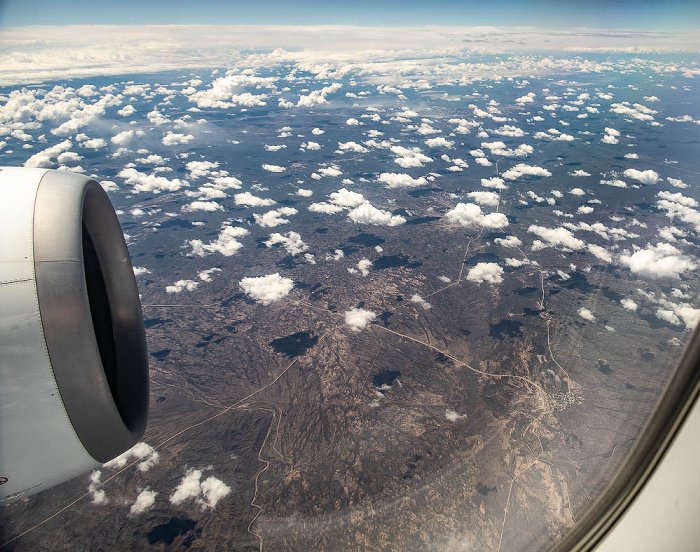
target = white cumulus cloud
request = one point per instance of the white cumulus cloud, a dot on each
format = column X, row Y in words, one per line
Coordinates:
column 207, row 493
column 144, row 501
column 468, row 214
column 645, row 177
column 358, row 319
column 226, row 242
column 291, row 241
column 267, row 289
column 662, row 260
column 485, row 272
column 368, row 214
column 521, row 169
column 401, row 180
column 142, row 452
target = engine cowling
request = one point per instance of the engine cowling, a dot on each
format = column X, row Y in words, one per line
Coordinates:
column 73, row 358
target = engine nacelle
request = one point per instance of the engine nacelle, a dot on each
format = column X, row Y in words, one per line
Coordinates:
column 73, row 358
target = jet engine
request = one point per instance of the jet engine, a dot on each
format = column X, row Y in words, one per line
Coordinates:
column 73, row 358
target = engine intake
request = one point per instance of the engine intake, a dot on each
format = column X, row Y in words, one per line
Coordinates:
column 74, row 375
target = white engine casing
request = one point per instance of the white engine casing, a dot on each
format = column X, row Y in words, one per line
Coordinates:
column 73, row 359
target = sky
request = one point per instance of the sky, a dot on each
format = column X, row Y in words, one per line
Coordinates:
column 603, row 14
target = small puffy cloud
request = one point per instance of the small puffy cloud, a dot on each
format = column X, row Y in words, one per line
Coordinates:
column 175, row 138
column 645, row 177
column 669, row 316
column 577, row 192
column 499, row 148
column 678, row 205
column 127, row 110
column 140, row 270
column 489, row 199
column 636, row 111
column 209, row 206
column 124, row 138
column 352, row 122
column 677, row 182
column 420, row 302
column 144, row 501
column 68, row 157
column 142, row 452
column 678, row 198
column 351, row 146
column 248, row 199
column 358, row 319
column 439, row 142
column 276, row 147
column 586, row 314
column 363, row 266
column 327, row 208
column 199, row 169
column 291, row 241
column 521, row 169
column 468, row 214
column 273, row 168
column 401, row 180
column 485, row 272
column 629, row 304
column 207, row 493
column 93, row 143
column 150, row 183
column 615, row 183
column 267, row 289
column 528, row 98
column 600, row 252
column 346, row 198
column 609, row 139
column 301, row 192
column 631, row 156
column 43, row 158
column 317, row 131
column 516, row 263
column 205, row 275
column 224, row 182
column 510, row 131
column 335, row 256
column 494, row 182
column 213, row 490
column 555, row 237
column 662, row 260
column 95, row 490
column 310, row 145
column 150, row 160
column 275, row 217
column 182, row 285
column 409, row 157
column 554, row 134
column 368, row 214
column 585, row 210
column 671, row 233
column 452, row 416
column 330, row 171
column 508, row 241
column 226, row 243
column 579, row 172
column 225, row 92
column 318, row 97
